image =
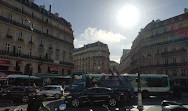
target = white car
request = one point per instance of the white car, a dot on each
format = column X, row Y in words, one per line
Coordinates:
column 52, row 91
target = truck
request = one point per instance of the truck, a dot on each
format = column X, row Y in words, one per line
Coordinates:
column 81, row 81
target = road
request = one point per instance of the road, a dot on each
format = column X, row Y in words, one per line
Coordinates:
column 151, row 104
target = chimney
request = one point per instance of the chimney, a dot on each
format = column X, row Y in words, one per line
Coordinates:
column 42, row 6
column 185, row 10
column 50, row 8
column 56, row 15
column 31, row 1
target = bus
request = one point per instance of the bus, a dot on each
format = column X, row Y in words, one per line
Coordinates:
column 151, row 84
column 23, row 80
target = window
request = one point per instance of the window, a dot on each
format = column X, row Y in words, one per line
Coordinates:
column 20, row 35
column 183, row 72
column 172, row 38
column 31, row 37
column 41, row 29
column 19, row 51
column 31, row 14
column 21, row 21
column 165, row 39
column 40, row 41
column 181, row 36
column 10, row 17
column 174, row 72
column 21, row 9
column 166, row 60
column 180, row 26
column 174, row 60
column 157, row 41
column 172, row 28
column 149, row 43
column 8, row 31
column 165, row 30
column 7, row 48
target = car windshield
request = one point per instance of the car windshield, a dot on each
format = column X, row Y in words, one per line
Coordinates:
column 93, row 55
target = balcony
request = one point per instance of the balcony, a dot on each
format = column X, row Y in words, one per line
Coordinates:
column 175, row 52
column 50, row 48
column 185, row 39
column 9, row 36
column 34, row 30
column 20, row 39
column 30, row 42
column 35, row 7
column 57, row 50
column 41, row 45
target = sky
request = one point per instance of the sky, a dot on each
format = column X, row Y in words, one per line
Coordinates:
column 97, row 20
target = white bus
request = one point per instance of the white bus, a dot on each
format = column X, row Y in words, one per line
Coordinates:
column 151, row 84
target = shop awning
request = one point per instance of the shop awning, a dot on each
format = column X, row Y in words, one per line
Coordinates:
column 5, row 63
column 40, row 65
column 19, row 63
column 54, row 68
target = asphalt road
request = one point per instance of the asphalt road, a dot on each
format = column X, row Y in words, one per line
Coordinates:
column 151, row 104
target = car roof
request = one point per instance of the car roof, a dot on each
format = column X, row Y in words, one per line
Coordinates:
column 53, row 86
column 174, row 107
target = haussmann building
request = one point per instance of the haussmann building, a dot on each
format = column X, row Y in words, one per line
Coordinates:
column 92, row 58
column 161, row 48
column 33, row 40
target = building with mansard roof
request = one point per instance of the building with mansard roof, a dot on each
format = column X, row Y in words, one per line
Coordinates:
column 33, row 40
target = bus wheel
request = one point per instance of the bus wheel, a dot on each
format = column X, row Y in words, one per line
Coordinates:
column 145, row 94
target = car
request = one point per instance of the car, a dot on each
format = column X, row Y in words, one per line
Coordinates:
column 52, row 91
column 16, row 93
column 167, row 103
column 94, row 95
column 174, row 108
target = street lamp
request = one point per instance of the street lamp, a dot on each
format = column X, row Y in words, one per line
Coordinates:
column 30, row 67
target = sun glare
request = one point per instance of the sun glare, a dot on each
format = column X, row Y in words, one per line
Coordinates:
column 128, row 16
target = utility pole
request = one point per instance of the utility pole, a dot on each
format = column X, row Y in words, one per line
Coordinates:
column 139, row 107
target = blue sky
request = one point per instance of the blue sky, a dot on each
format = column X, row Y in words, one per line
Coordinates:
column 94, row 20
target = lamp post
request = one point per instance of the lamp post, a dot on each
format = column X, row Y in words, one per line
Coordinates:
column 30, row 67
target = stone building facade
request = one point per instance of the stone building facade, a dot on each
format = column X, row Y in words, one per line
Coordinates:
column 161, row 48
column 33, row 40
column 92, row 58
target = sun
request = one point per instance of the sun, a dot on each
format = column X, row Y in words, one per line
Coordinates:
column 128, row 16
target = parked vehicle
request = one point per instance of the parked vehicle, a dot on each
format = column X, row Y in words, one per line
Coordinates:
column 172, row 106
column 94, row 95
column 52, row 91
column 15, row 93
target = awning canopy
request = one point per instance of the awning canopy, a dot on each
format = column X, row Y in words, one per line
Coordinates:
column 19, row 63
column 40, row 65
column 54, row 68
column 5, row 63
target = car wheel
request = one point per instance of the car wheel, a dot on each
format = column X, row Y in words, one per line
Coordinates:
column 145, row 94
column 112, row 102
column 75, row 102
column 57, row 96
column 25, row 99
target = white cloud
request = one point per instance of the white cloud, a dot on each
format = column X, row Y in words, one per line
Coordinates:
column 116, row 42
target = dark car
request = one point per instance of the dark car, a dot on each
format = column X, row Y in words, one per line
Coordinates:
column 17, row 93
column 172, row 106
column 94, row 95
